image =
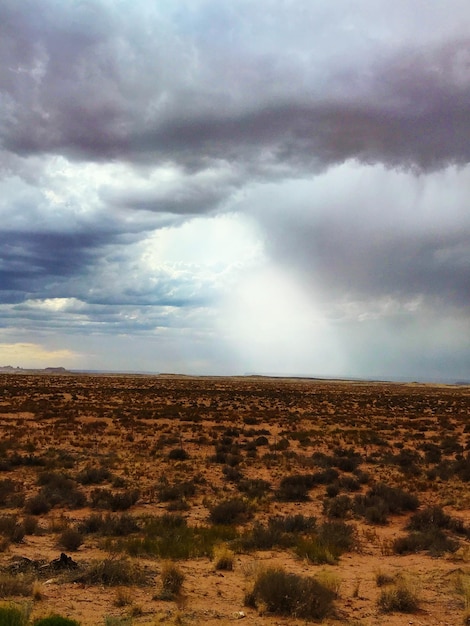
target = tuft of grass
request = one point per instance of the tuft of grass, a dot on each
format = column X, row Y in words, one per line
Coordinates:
column 382, row 579
column 15, row 585
column 13, row 615
column 112, row 572
column 462, row 586
column 223, row 558
column 123, row 597
column 290, row 595
column 399, row 597
column 37, row 591
column 172, row 579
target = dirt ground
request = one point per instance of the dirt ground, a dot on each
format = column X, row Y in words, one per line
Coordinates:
column 367, row 456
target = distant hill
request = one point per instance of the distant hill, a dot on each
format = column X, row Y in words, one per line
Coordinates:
column 8, row 369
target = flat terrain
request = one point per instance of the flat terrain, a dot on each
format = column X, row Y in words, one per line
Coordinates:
column 173, row 496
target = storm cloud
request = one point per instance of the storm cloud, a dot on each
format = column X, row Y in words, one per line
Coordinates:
column 158, row 161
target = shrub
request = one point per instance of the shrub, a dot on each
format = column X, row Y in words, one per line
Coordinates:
column 11, row 493
column 398, row 598
column 94, row 523
column 261, row 537
column 71, row 539
column 178, row 491
column 292, row 523
column 15, row 585
column 94, row 475
column 314, row 551
column 327, row 544
column 56, row 620
column 11, row 615
column 178, row 454
column 294, row 488
column 381, row 579
column 397, row 500
column 37, row 505
column 111, row 572
column 30, row 525
column 223, row 558
column 172, row 579
column 434, row 517
column 254, row 487
column 232, row 474
column 111, row 620
column 433, row 540
column 290, row 595
column 59, row 489
column 234, row 511
column 11, row 529
column 381, row 501
column 106, row 499
column 429, row 518
column 339, row 507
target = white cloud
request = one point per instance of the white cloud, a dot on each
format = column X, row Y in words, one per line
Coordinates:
column 35, row 355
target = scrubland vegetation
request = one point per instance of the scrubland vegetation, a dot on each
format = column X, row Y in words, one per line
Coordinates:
column 206, row 500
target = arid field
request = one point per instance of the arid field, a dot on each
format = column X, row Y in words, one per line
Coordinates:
column 180, row 500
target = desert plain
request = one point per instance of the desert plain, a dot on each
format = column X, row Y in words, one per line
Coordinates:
column 212, row 500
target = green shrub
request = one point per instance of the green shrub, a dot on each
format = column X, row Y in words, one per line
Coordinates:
column 327, row 544
column 315, row 551
column 11, row 615
column 290, row 595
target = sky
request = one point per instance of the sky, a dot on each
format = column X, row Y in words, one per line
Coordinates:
column 232, row 187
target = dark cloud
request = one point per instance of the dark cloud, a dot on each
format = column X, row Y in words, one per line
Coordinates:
column 32, row 262
column 119, row 120
column 87, row 83
column 348, row 258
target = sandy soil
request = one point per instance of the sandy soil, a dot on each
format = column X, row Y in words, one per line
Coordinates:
column 411, row 437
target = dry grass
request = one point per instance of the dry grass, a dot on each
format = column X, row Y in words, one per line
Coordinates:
column 216, row 474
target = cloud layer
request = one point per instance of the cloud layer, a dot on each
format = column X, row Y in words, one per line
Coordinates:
column 159, row 161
